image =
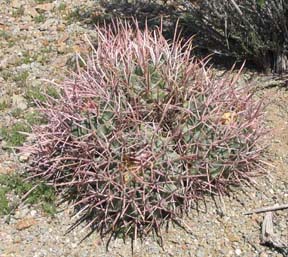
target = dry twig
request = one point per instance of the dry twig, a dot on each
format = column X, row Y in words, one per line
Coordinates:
column 268, row 237
column 268, row 209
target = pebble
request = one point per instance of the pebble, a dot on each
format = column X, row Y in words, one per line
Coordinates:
column 201, row 252
column 24, row 157
column 45, row 7
column 16, row 4
column 9, row 61
column 21, row 213
column 5, row 170
column 25, row 223
column 238, row 252
column 31, row 11
column 263, row 254
column 33, row 213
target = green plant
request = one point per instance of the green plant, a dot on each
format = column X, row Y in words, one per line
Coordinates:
column 79, row 13
column 18, row 12
column 62, row 6
column 37, row 193
column 21, row 77
column 35, row 93
column 40, row 94
column 35, row 118
column 43, row 1
column 145, row 130
column 5, row 35
column 4, row 105
column 16, row 134
column 13, row 134
column 4, row 204
column 11, row 43
column 16, row 113
column 40, row 18
column 27, row 58
column 46, row 50
column 6, row 75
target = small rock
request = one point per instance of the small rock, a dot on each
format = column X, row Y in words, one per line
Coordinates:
column 61, row 27
column 24, row 157
column 31, row 11
column 25, row 223
column 17, row 239
column 62, row 48
column 24, row 26
column 9, row 60
column 263, row 254
column 45, row 42
column 47, row 25
column 21, row 213
column 27, row 19
column 201, row 252
column 16, row 4
column 4, row 145
column 61, row 61
column 238, row 252
column 5, row 170
column 29, row 47
column 80, row 48
column 33, row 213
column 19, row 102
column 3, row 26
column 233, row 237
column 47, row 7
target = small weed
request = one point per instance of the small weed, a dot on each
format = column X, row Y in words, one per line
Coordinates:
column 40, row 18
column 42, row 58
column 27, row 58
column 51, row 91
column 18, row 12
column 42, row 194
column 11, row 44
column 43, row 55
column 43, row 1
column 4, row 103
column 4, row 204
column 16, row 113
column 3, row 106
column 62, row 6
column 49, row 208
column 4, row 35
column 35, row 93
column 46, row 50
column 21, row 78
column 13, row 136
column 78, row 14
column 6, row 75
column 39, row 94
column 35, row 118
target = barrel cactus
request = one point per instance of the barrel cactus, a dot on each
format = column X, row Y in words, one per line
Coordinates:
column 143, row 131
